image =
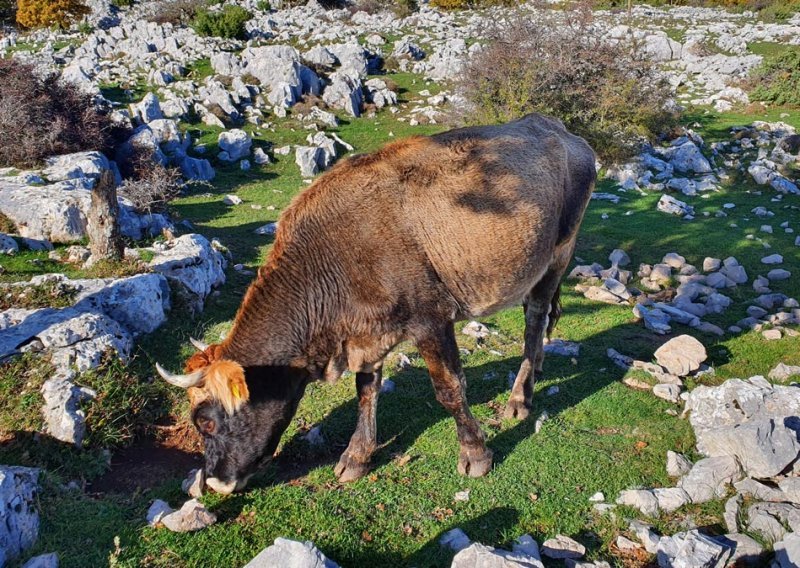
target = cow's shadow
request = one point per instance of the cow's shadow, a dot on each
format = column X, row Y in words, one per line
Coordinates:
column 412, row 409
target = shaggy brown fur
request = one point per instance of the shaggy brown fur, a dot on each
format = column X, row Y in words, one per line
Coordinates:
column 401, row 243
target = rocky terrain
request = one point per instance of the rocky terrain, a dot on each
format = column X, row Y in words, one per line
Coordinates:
column 220, row 108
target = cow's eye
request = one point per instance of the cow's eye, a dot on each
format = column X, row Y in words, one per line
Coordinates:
column 207, row 426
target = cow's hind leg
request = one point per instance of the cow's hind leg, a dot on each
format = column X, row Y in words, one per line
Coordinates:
column 440, row 352
column 543, row 299
column 354, row 462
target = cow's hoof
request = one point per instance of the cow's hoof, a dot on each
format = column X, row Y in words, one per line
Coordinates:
column 517, row 409
column 475, row 463
column 348, row 469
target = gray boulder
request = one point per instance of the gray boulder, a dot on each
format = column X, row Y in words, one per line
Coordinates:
column 49, row 560
column 76, row 166
column 681, row 355
column 308, row 158
column 280, row 73
column 139, row 303
column 787, row 551
column 668, row 204
column 691, row 549
column 236, row 143
column 344, row 92
column 709, row 477
column 480, row 556
column 63, row 417
column 147, row 110
column 19, row 517
column 60, row 215
column 191, row 262
column 763, row 447
column 8, row 245
column 750, row 419
column 773, row 521
column 195, row 168
column 291, row 554
column 688, row 158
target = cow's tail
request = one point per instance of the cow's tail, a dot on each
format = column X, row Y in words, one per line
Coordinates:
column 555, row 312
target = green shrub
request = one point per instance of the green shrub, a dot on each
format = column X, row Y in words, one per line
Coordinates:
column 8, row 11
column 229, row 23
column 122, row 3
column 611, row 94
column 777, row 80
column 263, row 5
column 779, row 11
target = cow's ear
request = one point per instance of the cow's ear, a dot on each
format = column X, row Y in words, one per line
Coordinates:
column 225, row 382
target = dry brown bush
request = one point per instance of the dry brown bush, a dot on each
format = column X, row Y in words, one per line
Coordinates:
column 150, row 186
column 174, row 12
column 40, row 117
column 609, row 93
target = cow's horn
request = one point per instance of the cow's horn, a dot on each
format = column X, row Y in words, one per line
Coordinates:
column 184, row 381
column 198, row 344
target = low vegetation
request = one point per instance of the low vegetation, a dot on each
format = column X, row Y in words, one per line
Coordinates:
column 58, row 117
column 229, row 23
column 46, row 13
column 51, row 294
column 464, row 4
column 777, row 81
column 611, row 94
column 127, row 403
column 175, row 12
column 8, row 9
column 149, row 185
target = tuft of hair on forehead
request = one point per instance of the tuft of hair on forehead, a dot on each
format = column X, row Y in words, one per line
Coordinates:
column 223, row 381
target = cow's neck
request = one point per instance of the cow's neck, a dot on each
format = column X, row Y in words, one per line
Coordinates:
column 284, row 318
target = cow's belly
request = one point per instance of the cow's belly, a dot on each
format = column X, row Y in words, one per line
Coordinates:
column 497, row 269
column 486, row 294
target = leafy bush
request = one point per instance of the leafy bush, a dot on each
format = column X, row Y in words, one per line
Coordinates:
column 777, row 80
column 229, row 23
column 8, row 9
column 46, row 13
column 58, row 118
column 779, row 11
column 122, row 3
column 609, row 93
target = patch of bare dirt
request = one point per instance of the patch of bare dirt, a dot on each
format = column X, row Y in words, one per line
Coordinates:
column 170, row 455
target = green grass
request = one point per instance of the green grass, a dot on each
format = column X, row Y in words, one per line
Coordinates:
column 602, row 436
column 768, row 49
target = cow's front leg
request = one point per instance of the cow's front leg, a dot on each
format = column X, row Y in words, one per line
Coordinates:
column 354, row 462
column 440, row 352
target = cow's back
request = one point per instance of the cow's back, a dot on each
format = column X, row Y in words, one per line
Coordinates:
column 492, row 204
column 474, row 214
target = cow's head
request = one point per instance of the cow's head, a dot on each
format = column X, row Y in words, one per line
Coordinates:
column 241, row 412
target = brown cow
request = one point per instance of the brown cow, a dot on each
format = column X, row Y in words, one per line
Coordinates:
column 395, row 245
